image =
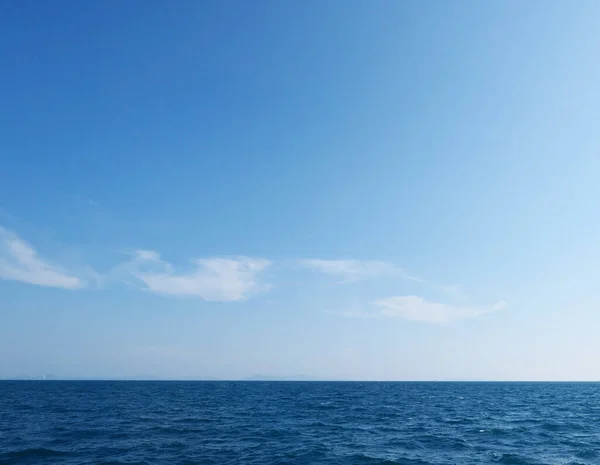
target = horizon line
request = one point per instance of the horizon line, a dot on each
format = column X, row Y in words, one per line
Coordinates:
column 291, row 380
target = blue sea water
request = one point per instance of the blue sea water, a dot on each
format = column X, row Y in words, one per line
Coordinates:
column 97, row 422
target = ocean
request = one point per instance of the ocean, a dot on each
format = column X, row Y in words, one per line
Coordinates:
column 300, row 423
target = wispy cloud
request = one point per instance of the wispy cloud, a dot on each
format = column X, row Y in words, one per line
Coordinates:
column 19, row 261
column 355, row 270
column 415, row 308
column 211, row 279
column 351, row 270
column 418, row 309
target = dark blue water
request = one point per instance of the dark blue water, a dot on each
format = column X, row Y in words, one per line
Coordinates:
column 48, row 422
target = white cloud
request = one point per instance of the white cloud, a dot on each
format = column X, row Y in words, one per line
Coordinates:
column 19, row 262
column 352, row 270
column 211, row 279
column 147, row 255
column 415, row 308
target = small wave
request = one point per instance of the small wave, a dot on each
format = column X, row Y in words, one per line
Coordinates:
column 443, row 442
column 364, row 459
column 118, row 462
column 193, row 420
column 586, row 454
column 32, row 453
column 512, row 459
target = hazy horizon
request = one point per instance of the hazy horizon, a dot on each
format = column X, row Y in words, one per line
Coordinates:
column 291, row 379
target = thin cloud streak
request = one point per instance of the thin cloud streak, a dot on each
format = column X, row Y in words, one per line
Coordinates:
column 355, row 270
column 416, row 308
column 19, row 261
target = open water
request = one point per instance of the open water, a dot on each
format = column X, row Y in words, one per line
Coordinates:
column 302, row 423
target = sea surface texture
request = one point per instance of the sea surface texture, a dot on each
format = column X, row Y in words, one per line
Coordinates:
column 97, row 422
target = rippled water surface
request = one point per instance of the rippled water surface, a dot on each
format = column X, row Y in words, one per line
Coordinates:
column 67, row 422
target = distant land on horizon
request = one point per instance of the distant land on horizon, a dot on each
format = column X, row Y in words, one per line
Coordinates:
column 255, row 378
column 151, row 377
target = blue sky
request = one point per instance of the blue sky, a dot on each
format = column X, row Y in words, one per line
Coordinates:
column 346, row 189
